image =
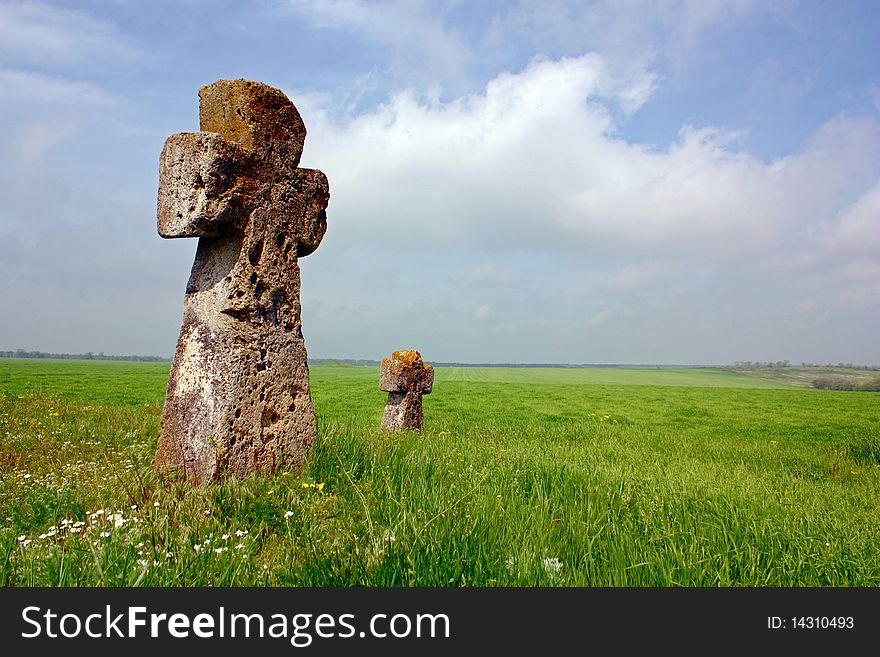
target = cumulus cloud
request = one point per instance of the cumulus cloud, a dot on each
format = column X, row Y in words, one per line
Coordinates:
column 857, row 229
column 534, row 163
column 841, row 257
column 484, row 206
column 528, row 194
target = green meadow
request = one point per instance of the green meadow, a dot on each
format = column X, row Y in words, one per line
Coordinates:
column 522, row 477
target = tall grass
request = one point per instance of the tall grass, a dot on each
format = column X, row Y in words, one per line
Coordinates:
column 511, row 484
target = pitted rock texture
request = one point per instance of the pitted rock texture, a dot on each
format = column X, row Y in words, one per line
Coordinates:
column 238, row 398
column 405, row 378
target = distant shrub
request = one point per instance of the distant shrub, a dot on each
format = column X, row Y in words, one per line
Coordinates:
column 833, row 383
column 844, row 383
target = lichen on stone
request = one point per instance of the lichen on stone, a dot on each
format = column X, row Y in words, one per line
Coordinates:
column 238, row 398
column 406, row 378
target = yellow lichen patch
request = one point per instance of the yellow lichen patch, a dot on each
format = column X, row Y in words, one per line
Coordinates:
column 407, row 356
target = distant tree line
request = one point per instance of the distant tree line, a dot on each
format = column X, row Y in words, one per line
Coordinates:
column 772, row 364
column 757, row 364
column 21, row 353
column 849, row 366
column 845, row 383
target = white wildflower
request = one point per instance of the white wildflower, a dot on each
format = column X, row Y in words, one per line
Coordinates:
column 553, row 566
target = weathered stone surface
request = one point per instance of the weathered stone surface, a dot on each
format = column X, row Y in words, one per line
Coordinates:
column 405, row 378
column 238, row 397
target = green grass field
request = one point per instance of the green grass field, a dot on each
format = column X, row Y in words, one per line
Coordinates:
column 553, row 477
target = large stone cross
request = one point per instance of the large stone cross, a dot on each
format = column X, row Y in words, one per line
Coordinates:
column 405, row 378
column 238, row 396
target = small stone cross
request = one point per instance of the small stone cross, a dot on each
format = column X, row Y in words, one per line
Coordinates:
column 238, row 397
column 405, row 378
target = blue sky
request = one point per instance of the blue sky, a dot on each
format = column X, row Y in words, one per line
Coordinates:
column 690, row 182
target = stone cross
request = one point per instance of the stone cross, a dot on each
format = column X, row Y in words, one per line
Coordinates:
column 238, row 397
column 405, row 378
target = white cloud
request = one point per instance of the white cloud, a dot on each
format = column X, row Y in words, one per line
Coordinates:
column 489, row 274
column 516, row 201
column 450, row 42
column 29, row 87
column 530, row 178
column 42, row 34
column 842, row 256
column 631, row 35
column 631, row 277
column 599, row 318
column 415, row 30
column 857, row 229
column 36, row 139
column 534, row 164
column 483, row 312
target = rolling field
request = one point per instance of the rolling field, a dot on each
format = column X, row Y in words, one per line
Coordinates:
column 693, row 377
column 523, row 477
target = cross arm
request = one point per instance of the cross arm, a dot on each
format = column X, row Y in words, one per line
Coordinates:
column 200, row 193
column 397, row 375
column 304, row 196
column 428, row 381
column 391, row 376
